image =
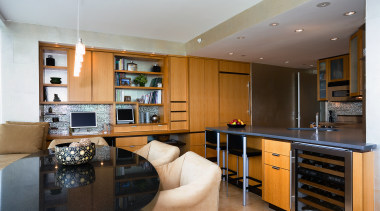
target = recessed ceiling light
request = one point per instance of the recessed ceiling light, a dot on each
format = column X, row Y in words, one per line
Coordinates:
column 231, row 53
column 286, row 62
column 334, row 38
column 350, row 13
column 323, row 4
column 311, row 65
column 274, row 24
column 261, row 58
column 199, row 40
column 298, row 30
column 240, row 38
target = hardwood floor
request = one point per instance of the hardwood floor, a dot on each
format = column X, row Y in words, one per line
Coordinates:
column 234, row 201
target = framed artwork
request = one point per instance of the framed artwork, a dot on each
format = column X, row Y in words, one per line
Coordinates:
column 132, row 66
column 127, row 98
column 125, row 81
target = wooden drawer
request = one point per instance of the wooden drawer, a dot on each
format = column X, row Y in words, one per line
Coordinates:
column 278, row 160
column 178, row 106
column 131, row 141
column 133, row 128
column 175, row 116
column 276, row 184
column 179, row 125
column 159, row 127
column 279, row 147
column 132, row 148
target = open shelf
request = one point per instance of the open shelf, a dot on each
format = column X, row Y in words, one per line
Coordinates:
column 324, row 170
column 322, row 187
column 74, row 103
column 139, row 72
column 138, row 87
column 321, row 197
column 55, row 85
column 55, row 67
column 313, row 204
column 321, row 159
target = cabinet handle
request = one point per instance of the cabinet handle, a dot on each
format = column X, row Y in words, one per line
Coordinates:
column 275, row 154
column 275, row 167
column 132, row 146
column 134, row 126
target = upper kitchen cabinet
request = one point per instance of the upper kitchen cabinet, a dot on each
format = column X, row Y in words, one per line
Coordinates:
column 178, row 78
column 322, row 80
column 356, row 63
column 234, row 67
column 338, row 68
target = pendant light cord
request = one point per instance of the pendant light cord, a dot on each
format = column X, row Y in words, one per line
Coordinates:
column 78, row 21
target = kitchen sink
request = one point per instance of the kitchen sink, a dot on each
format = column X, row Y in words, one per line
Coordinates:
column 311, row 129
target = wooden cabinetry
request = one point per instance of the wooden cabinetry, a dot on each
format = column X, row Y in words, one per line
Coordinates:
column 276, row 176
column 203, row 92
column 234, row 67
column 102, row 77
column 178, row 78
column 356, row 63
column 80, row 88
column 131, row 143
column 234, row 92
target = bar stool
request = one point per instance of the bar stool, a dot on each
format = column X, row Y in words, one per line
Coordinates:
column 212, row 141
column 237, row 145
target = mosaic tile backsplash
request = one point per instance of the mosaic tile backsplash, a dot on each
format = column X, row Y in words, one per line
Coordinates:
column 103, row 115
column 345, row 108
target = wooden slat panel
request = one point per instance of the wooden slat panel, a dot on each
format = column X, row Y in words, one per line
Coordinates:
column 211, row 93
column 196, row 93
column 325, row 160
column 321, row 197
column 79, row 88
column 102, row 76
column 279, row 147
column 314, row 204
column 327, row 171
column 130, row 141
column 178, row 78
column 322, row 187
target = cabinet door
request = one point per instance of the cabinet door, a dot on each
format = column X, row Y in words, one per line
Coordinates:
column 322, row 80
column 234, row 67
column 234, row 98
column 211, row 93
column 277, row 186
column 196, row 93
column 102, row 77
column 338, row 70
column 178, row 78
column 356, row 53
column 79, row 88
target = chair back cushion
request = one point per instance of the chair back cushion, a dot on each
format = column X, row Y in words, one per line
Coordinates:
column 235, row 142
column 161, row 153
column 45, row 124
column 211, row 136
column 21, row 138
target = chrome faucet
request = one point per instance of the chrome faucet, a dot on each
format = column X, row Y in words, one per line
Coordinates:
column 316, row 119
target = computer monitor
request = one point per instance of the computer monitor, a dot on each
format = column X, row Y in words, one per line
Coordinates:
column 83, row 119
column 125, row 116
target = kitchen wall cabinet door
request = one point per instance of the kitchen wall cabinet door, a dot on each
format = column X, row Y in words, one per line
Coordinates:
column 322, row 80
column 234, row 98
column 234, row 67
column 79, row 88
column 338, row 68
column 102, row 77
column 356, row 63
column 178, row 78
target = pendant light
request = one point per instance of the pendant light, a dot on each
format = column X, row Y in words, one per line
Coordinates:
column 80, row 50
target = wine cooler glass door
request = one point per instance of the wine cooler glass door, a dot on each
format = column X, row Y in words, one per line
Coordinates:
column 321, row 178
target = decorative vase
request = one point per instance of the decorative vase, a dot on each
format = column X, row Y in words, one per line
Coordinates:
column 56, row 98
column 156, row 68
column 50, row 61
column 155, row 118
column 55, row 80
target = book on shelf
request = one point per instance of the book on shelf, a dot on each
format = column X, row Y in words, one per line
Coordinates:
column 155, row 81
column 121, row 63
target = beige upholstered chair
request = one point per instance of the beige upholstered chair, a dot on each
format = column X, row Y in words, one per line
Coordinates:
column 96, row 140
column 191, row 182
column 158, row 153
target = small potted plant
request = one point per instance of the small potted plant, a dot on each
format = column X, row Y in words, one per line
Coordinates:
column 140, row 80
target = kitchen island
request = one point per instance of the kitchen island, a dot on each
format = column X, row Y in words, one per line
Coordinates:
column 348, row 138
column 308, row 169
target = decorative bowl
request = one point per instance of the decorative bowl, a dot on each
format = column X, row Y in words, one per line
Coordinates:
column 55, row 80
column 75, row 176
column 236, row 126
column 66, row 155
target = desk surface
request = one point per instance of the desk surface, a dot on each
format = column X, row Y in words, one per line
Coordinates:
column 115, row 179
column 349, row 138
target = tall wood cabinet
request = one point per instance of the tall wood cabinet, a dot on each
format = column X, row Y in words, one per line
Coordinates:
column 102, row 80
column 80, row 88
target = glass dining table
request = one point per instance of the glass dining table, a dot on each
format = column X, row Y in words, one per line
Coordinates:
column 115, row 179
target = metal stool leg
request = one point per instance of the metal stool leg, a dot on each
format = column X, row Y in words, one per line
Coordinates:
column 205, row 145
column 227, row 164
column 237, row 169
column 244, row 169
column 247, row 173
column 224, row 165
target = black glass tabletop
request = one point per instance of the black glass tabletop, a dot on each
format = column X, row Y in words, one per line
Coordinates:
column 115, row 179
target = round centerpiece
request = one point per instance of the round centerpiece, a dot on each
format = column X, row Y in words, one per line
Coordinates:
column 74, row 154
column 236, row 123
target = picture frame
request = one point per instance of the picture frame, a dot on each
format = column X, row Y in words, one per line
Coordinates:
column 132, row 66
column 127, row 98
column 125, row 81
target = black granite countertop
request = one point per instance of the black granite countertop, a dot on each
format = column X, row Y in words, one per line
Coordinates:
column 348, row 138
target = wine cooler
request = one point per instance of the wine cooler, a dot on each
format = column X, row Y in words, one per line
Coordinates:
column 321, row 178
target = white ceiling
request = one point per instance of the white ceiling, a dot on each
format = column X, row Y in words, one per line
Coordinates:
column 280, row 44
column 172, row 20
column 183, row 20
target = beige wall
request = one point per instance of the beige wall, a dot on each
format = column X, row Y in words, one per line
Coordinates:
column 19, row 68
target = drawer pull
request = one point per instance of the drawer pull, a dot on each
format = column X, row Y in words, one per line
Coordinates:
column 134, row 126
column 132, row 146
column 275, row 167
column 275, row 154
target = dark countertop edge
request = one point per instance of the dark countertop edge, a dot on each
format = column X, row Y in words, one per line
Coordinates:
column 361, row 148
